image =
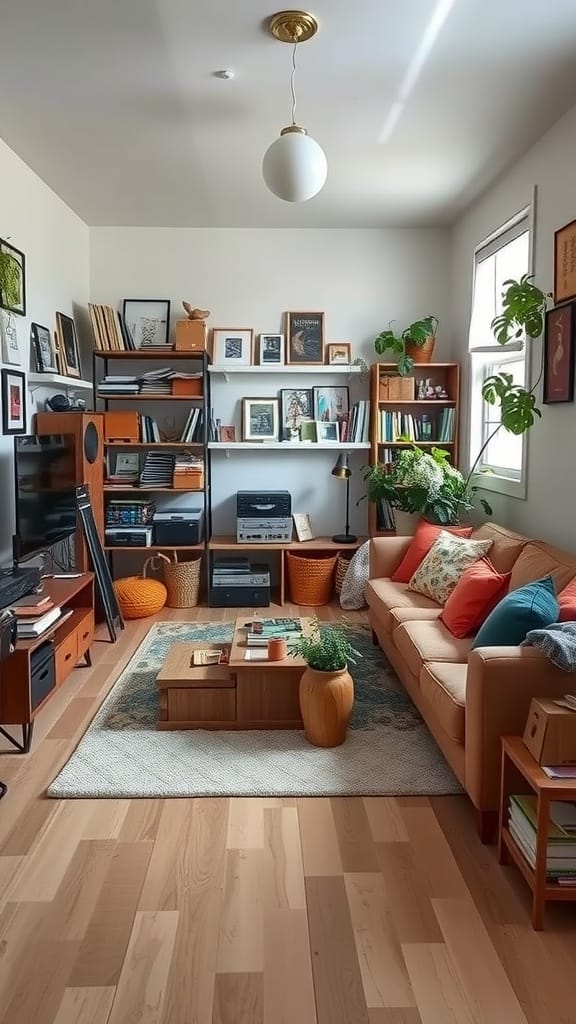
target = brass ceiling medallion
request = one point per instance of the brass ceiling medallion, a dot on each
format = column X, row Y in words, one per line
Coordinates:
column 293, row 26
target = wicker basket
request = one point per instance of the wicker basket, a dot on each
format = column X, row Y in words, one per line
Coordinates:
column 311, row 578
column 341, row 569
column 182, row 581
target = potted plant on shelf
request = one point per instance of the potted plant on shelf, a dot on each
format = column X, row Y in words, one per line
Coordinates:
column 414, row 345
column 418, row 485
column 326, row 687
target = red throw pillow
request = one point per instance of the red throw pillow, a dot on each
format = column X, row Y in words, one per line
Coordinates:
column 567, row 603
column 479, row 589
column 425, row 536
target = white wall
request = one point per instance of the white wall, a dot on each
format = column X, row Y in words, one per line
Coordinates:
column 547, row 511
column 55, row 243
column 249, row 278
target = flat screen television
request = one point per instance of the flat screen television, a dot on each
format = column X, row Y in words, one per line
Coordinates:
column 45, row 492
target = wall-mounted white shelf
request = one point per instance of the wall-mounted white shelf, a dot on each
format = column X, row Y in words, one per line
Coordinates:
column 58, row 380
column 284, row 370
column 289, row 446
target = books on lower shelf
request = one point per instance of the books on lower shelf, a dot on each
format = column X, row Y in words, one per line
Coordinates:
column 561, row 839
column 438, row 427
column 31, row 627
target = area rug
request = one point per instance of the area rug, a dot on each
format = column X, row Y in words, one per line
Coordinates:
column 388, row 751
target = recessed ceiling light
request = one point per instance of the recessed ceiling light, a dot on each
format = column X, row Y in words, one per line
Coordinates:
column 226, row 74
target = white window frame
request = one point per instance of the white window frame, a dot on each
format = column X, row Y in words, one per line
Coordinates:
column 497, row 478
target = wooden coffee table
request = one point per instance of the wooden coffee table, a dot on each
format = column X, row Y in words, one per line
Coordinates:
column 240, row 695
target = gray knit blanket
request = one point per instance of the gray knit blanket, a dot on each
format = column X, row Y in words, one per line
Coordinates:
column 557, row 642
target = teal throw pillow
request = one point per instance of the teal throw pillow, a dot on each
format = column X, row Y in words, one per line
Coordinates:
column 531, row 607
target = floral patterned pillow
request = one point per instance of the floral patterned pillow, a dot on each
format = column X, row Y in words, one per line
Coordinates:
column 444, row 564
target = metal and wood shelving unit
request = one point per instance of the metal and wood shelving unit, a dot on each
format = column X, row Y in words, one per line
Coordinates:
column 101, row 360
column 446, row 375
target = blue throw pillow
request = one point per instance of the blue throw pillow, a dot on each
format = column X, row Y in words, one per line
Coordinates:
column 531, row 607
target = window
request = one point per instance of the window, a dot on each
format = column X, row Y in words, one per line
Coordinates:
column 503, row 256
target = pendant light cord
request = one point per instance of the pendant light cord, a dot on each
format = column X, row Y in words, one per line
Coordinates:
column 293, row 85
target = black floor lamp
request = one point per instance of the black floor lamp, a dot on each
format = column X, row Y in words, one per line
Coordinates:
column 343, row 472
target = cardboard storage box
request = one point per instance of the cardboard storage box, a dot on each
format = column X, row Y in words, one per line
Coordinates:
column 190, row 336
column 394, row 388
column 550, row 733
column 121, row 427
column 187, row 387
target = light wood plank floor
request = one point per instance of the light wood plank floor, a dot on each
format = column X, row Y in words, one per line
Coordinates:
column 257, row 911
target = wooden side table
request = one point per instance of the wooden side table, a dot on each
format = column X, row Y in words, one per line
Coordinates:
column 522, row 774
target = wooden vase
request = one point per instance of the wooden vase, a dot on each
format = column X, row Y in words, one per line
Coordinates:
column 326, row 700
column 421, row 353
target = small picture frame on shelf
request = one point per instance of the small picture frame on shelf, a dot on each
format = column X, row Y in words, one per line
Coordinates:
column 147, row 322
column 327, row 431
column 339, row 353
column 296, row 407
column 228, row 433
column 13, row 402
column 12, row 278
column 9, row 337
column 308, row 432
column 331, row 403
column 303, row 526
column 68, row 346
column 559, row 335
column 43, row 349
column 232, row 346
column 260, row 419
column 270, row 349
column 305, row 338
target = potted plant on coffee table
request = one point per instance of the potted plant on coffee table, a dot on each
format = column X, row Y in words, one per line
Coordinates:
column 326, row 687
column 414, row 345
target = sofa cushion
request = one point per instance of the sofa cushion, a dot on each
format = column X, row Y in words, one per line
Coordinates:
column 383, row 595
column 531, row 607
column 443, row 685
column 567, row 603
column 477, row 592
column 444, row 564
column 422, row 641
column 506, row 545
column 425, row 536
column 537, row 560
column 400, row 615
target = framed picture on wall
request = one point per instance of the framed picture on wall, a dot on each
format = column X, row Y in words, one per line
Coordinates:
column 68, row 344
column 260, row 419
column 559, row 327
column 13, row 402
column 305, row 338
column 232, row 346
column 270, row 349
column 148, row 321
column 339, row 353
column 565, row 263
column 12, row 278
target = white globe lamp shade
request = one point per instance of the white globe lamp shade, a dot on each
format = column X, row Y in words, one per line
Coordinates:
column 294, row 166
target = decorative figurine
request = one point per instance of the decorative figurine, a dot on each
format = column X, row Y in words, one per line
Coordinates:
column 194, row 313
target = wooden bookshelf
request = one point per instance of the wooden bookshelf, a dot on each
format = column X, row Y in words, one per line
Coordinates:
column 446, row 375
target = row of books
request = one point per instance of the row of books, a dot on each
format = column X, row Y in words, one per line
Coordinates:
column 561, row 845
column 395, row 425
column 355, row 425
column 109, row 329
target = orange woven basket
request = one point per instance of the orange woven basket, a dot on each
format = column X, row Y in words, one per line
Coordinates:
column 311, row 578
column 342, row 566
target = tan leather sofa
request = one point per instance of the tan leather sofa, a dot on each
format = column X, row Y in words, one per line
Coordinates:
column 468, row 698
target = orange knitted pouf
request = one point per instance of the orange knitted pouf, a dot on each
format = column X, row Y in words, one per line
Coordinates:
column 139, row 597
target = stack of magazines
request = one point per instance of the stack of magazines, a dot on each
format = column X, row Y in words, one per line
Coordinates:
column 158, row 470
column 260, row 631
column 561, row 847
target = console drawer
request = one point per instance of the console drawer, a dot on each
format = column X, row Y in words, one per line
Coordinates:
column 85, row 634
column 66, row 657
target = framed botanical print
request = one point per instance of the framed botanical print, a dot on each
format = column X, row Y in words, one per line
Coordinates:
column 12, row 278
column 259, row 419
column 43, row 349
column 68, row 342
column 305, row 338
column 232, row 346
column 559, row 333
column 13, row 402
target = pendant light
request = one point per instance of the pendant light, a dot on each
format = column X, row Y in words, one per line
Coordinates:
column 294, row 166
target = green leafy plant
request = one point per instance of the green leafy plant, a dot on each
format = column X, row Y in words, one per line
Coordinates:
column 523, row 309
column 326, row 648
column 421, row 482
column 9, row 279
column 416, row 333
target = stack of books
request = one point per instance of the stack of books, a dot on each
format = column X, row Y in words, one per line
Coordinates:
column 35, row 617
column 157, row 382
column 561, row 847
column 117, row 384
column 109, row 330
column 260, row 631
column 158, row 470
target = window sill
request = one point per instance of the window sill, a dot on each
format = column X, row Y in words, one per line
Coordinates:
column 500, row 484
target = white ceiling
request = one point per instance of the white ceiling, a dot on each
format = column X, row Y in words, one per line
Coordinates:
column 114, row 104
